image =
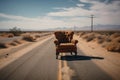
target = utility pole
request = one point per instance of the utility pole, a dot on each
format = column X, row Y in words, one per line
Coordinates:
column 92, row 16
column 74, row 28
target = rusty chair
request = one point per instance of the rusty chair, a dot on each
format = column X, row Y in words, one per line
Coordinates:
column 64, row 42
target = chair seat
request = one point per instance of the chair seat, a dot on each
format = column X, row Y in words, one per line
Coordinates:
column 67, row 46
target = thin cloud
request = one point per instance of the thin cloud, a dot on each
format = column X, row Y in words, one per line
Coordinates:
column 13, row 17
column 72, row 16
column 30, row 23
column 101, row 10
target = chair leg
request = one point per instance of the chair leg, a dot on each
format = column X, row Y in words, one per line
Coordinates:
column 75, row 53
column 57, row 53
column 71, row 53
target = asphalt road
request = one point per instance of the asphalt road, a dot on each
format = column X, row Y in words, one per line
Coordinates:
column 41, row 64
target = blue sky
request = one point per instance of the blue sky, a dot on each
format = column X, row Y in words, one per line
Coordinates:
column 43, row 14
column 33, row 8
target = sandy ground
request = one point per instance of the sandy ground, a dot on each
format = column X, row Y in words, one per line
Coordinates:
column 111, row 62
column 20, row 50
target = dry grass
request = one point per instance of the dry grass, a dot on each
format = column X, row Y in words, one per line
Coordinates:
column 108, row 39
column 115, row 35
column 13, row 44
column 29, row 38
column 82, row 33
column 111, row 42
column 4, row 45
column 4, row 34
column 89, row 37
column 103, row 38
column 37, row 36
column 117, row 39
column 113, row 46
column 18, row 41
column 100, row 39
column 10, row 35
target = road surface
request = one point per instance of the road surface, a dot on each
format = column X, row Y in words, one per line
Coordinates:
column 40, row 63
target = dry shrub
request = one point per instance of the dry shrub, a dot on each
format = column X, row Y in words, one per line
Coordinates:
column 108, row 39
column 99, row 39
column 115, row 35
column 18, row 41
column 89, row 37
column 13, row 44
column 105, row 44
column 4, row 45
column 78, row 33
column 103, row 38
column 10, row 35
column 4, row 35
column 117, row 39
column 113, row 46
column 37, row 36
column 29, row 38
column 82, row 33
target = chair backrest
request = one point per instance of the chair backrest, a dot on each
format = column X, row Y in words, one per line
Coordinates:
column 64, row 36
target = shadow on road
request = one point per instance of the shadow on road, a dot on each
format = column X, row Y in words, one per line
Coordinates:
column 78, row 57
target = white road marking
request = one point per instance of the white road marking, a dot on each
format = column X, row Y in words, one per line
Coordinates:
column 65, row 73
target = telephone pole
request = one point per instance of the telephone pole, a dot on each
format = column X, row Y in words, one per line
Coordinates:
column 74, row 28
column 92, row 16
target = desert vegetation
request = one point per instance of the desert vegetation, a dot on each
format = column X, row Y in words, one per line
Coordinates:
column 15, row 37
column 15, row 31
column 29, row 38
column 9, row 35
column 12, row 43
column 4, row 45
column 108, row 40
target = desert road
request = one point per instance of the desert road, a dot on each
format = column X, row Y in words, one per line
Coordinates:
column 40, row 63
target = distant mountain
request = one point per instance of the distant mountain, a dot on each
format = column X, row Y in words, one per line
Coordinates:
column 4, row 30
column 77, row 28
column 95, row 27
column 107, row 27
